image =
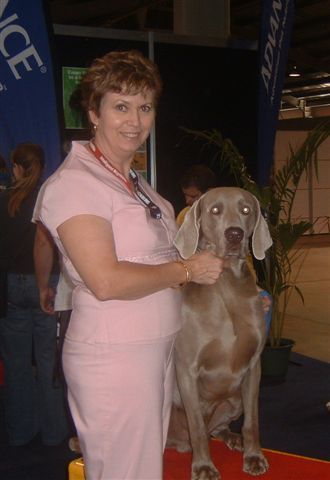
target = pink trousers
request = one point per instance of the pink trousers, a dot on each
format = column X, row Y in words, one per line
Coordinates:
column 120, row 397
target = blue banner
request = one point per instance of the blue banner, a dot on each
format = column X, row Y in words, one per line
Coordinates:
column 276, row 26
column 28, row 110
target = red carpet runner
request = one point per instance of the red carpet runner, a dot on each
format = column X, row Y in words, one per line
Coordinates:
column 281, row 466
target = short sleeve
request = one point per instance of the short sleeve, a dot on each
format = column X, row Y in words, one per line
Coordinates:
column 72, row 193
column 37, row 207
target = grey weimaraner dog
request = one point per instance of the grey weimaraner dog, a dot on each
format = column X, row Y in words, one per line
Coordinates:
column 217, row 352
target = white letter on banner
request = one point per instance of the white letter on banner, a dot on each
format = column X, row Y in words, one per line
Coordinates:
column 22, row 57
column 265, row 76
column 8, row 20
column 278, row 6
column 269, row 56
column 274, row 28
column 3, row 5
column 7, row 31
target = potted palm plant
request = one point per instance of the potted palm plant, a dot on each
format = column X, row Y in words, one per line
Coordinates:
column 276, row 201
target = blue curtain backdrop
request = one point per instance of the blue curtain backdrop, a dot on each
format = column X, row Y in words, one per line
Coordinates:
column 27, row 93
column 276, row 26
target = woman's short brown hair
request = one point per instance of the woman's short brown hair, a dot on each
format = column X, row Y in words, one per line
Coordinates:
column 128, row 72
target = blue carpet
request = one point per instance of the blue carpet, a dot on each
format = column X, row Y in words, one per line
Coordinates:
column 293, row 416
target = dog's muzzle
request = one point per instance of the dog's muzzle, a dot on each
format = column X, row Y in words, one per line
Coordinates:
column 234, row 235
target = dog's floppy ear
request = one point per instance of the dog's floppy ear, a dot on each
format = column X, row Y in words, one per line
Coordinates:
column 186, row 240
column 261, row 239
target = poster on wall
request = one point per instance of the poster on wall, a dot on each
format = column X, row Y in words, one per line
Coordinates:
column 71, row 77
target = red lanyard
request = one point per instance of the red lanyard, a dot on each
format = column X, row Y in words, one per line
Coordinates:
column 154, row 210
column 99, row 155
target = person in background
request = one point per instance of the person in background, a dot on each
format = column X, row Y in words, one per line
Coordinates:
column 195, row 181
column 56, row 301
column 115, row 234
column 5, row 180
column 5, row 177
column 28, row 335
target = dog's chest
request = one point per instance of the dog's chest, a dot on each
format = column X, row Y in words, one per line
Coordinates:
column 225, row 336
column 230, row 308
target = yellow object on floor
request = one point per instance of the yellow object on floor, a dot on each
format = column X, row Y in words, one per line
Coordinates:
column 76, row 469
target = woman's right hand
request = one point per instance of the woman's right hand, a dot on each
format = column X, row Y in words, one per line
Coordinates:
column 204, row 267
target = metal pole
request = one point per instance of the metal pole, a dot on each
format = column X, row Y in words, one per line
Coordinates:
column 311, row 193
column 153, row 172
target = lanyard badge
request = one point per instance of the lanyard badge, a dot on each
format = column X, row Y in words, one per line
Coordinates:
column 144, row 198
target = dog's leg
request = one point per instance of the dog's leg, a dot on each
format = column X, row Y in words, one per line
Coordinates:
column 218, row 427
column 254, row 461
column 202, row 467
column 178, row 435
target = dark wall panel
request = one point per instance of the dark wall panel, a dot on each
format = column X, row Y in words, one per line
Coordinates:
column 204, row 88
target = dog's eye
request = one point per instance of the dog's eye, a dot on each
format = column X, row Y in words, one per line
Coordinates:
column 215, row 210
column 246, row 210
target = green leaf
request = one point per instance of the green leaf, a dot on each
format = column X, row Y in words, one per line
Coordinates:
column 289, row 233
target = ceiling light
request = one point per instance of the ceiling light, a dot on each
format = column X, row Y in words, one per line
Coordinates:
column 294, row 72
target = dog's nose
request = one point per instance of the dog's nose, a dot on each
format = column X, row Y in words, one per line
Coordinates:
column 234, row 235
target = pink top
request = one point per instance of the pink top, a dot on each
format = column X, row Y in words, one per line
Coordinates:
column 83, row 186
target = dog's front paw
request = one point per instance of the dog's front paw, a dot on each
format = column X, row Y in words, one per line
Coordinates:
column 234, row 441
column 205, row 471
column 180, row 446
column 183, row 447
column 255, row 464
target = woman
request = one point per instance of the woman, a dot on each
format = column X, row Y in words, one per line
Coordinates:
column 116, row 237
column 32, row 404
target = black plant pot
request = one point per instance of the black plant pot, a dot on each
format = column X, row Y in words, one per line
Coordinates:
column 275, row 361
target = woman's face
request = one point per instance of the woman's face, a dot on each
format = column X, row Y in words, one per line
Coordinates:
column 124, row 122
column 18, row 171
